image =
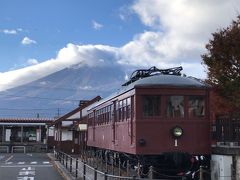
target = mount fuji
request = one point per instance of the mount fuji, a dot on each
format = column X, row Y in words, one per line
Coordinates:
column 60, row 92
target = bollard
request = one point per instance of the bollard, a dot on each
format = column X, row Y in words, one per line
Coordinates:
column 76, row 173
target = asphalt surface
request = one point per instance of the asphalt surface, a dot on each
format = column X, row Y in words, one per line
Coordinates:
column 35, row 166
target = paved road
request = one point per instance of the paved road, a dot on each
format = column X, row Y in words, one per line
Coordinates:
column 20, row 166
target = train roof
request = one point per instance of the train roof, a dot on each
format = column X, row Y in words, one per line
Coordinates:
column 170, row 80
column 158, row 80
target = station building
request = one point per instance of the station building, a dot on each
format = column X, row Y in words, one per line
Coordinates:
column 70, row 130
column 25, row 134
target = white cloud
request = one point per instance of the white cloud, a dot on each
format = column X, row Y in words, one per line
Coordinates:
column 178, row 32
column 90, row 55
column 32, row 62
column 28, row 41
column 9, row 31
column 125, row 13
column 96, row 25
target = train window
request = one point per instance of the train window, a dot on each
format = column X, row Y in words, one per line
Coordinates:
column 196, row 106
column 128, row 108
column 128, row 101
column 120, row 111
column 124, row 109
column 151, row 105
column 175, row 106
column 112, row 113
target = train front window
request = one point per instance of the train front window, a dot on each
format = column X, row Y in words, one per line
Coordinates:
column 175, row 106
column 196, row 106
column 151, row 105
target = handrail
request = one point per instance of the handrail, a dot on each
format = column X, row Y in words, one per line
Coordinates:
column 88, row 172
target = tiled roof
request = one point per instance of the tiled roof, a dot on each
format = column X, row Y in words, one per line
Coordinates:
column 26, row 120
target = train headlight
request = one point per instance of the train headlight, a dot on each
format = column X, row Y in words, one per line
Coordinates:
column 177, row 132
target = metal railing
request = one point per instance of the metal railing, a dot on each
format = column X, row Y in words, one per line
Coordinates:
column 78, row 168
column 83, row 168
column 227, row 130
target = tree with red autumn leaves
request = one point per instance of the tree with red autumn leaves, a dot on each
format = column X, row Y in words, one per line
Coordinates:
column 222, row 61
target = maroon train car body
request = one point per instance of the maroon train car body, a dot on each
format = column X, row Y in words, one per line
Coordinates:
column 152, row 116
column 124, row 123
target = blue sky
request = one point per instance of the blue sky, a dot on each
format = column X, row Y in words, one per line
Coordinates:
column 40, row 37
column 53, row 24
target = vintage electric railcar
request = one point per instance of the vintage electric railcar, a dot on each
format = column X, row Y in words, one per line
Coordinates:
column 157, row 118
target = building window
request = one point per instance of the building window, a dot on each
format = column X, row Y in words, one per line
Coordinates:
column 151, row 105
column 29, row 134
column 196, row 106
column 175, row 106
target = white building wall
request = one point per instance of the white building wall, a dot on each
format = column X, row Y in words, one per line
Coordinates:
column 66, row 123
column 51, row 131
column 221, row 167
column 67, row 135
column 237, row 167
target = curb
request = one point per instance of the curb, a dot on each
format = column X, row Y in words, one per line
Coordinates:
column 60, row 168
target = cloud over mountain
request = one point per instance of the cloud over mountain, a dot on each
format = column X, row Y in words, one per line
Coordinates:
column 177, row 33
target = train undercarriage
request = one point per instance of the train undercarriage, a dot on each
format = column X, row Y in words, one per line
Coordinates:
column 169, row 165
